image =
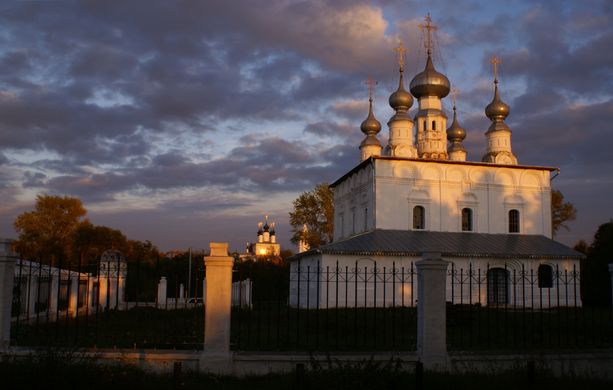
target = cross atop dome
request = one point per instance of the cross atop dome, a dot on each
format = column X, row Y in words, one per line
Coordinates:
column 429, row 28
column 372, row 83
column 401, row 50
column 495, row 61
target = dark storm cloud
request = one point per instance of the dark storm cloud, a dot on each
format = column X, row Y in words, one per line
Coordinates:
column 109, row 93
column 156, row 67
column 258, row 165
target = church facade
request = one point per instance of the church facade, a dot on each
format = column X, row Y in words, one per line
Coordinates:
column 266, row 247
column 491, row 219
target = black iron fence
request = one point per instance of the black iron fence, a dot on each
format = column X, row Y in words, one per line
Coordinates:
column 510, row 307
column 108, row 303
column 315, row 307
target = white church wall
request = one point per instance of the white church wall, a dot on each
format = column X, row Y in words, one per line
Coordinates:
column 468, row 283
column 387, row 281
column 354, row 205
column 353, row 281
column 444, row 189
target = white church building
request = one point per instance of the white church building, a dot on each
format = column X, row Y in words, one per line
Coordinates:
column 491, row 219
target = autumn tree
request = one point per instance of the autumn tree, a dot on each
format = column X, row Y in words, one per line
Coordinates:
column 561, row 212
column 595, row 280
column 48, row 231
column 91, row 240
column 315, row 209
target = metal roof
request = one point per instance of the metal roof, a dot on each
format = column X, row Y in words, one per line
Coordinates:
column 450, row 244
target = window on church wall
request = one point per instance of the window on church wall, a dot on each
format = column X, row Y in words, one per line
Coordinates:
column 352, row 221
column 419, row 218
column 467, row 220
column 545, row 276
column 497, row 286
column 433, row 125
column 513, row 221
column 342, row 225
column 425, row 125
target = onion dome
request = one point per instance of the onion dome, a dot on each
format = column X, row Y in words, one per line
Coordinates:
column 497, row 110
column 401, row 100
column 370, row 126
column 260, row 232
column 455, row 132
column 430, row 82
column 272, row 229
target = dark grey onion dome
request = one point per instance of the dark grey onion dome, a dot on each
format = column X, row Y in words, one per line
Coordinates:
column 371, row 125
column 497, row 110
column 266, row 227
column 272, row 229
column 370, row 140
column 401, row 100
column 455, row 132
column 430, row 82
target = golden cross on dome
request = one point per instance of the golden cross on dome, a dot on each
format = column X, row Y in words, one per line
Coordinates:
column 454, row 94
column 401, row 50
column 429, row 27
column 371, row 84
column 495, row 61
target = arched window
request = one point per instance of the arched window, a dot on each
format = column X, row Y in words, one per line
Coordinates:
column 433, row 125
column 497, row 286
column 366, row 219
column 513, row 221
column 425, row 125
column 545, row 274
column 467, row 220
column 419, row 217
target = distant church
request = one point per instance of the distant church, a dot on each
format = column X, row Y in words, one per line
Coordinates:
column 419, row 193
column 266, row 246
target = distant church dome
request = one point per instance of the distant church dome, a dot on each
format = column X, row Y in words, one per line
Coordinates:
column 430, row 82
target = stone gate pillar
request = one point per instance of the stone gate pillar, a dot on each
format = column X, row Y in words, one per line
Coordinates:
column 431, row 311
column 218, row 299
column 7, row 280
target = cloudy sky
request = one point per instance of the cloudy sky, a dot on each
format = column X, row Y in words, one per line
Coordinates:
column 183, row 122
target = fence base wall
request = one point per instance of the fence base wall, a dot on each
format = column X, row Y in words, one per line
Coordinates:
column 588, row 364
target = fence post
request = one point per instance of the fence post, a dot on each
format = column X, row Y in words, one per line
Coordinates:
column 431, row 311
column 7, row 280
column 218, row 299
column 162, row 286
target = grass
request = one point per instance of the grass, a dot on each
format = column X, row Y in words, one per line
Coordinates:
column 478, row 328
column 144, row 327
column 273, row 326
column 60, row 370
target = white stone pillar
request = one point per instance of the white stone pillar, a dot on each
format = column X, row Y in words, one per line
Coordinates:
column 181, row 291
column 431, row 311
column 74, row 294
column 7, row 279
column 162, row 286
column 53, row 297
column 218, row 299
